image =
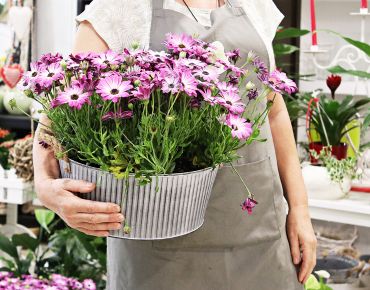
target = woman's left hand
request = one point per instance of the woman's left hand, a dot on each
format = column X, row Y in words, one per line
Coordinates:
column 302, row 241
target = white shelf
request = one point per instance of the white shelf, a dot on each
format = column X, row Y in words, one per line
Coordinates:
column 354, row 210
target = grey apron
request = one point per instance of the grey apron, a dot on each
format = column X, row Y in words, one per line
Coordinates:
column 232, row 251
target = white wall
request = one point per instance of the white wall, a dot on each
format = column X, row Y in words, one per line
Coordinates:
column 55, row 26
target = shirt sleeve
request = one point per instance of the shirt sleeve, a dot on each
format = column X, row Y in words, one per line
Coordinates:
column 105, row 16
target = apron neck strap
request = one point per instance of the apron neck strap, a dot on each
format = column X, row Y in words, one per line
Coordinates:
column 158, row 4
column 235, row 3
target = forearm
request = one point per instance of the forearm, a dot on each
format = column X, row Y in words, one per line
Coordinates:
column 287, row 156
column 44, row 161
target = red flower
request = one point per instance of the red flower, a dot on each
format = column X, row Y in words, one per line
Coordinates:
column 4, row 133
column 333, row 83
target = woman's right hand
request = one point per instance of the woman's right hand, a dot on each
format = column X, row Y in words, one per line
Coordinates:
column 90, row 217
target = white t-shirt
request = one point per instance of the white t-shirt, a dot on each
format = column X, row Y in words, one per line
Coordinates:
column 202, row 15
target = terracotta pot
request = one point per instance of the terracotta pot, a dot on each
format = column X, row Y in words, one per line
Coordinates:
column 338, row 151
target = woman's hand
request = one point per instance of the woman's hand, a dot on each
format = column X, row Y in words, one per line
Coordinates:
column 90, row 217
column 302, row 241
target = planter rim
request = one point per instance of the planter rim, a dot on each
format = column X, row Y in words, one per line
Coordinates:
column 320, row 143
column 133, row 175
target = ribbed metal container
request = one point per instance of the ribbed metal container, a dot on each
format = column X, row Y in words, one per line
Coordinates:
column 167, row 207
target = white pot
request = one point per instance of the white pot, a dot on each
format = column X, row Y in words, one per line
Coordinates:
column 320, row 186
column 23, row 102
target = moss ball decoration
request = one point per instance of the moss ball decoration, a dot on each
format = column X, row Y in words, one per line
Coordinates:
column 20, row 158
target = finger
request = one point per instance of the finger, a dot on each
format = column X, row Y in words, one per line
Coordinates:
column 94, row 233
column 294, row 249
column 100, row 227
column 94, row 207
column 307, row 264
column 79, row 186
column 98, row 218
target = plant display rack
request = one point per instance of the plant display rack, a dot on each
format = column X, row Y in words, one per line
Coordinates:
column 14, row 191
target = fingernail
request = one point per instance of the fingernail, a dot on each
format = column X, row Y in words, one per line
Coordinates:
column 117, row 208
column 117, row 226
column 121, row 218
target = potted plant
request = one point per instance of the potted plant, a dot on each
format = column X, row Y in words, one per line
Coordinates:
column 329, row 120
column 16, row 170
column 151, row 128
column 333, row 179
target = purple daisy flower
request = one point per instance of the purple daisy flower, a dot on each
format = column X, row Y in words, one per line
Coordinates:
column 260, row 69
column 171, row 84
column 191, row 63
column 142, row 93
column 118, row 115
column 113, row 88
column 234, row 55
column 179, row 42
column 227, row 87
column 252, row 94
column 48, row 59
column 231, row 101
column 89, row 284
column 240, row 128
column 248, row 205
column 207, row 96
column 74, row 96
column 209, row 74
column 35, row 71
column 106, row 59
column 54, row 72
column 189, row 83
column 279, row 82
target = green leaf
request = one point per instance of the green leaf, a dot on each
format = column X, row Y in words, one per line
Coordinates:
column 7, row 247
column 284, row 49
column 357, row 73
column 25, row 241
column 359, row 44
column 44, row 217
column 290, row 32
column 366, row 123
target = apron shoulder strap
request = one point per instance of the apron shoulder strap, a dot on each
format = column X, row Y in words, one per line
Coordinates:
column 158, row 4
column 236, row 6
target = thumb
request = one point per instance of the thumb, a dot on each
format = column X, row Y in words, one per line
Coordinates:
column 79, row 186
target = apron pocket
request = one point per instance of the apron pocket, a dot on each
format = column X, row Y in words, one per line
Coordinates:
column 226, row 225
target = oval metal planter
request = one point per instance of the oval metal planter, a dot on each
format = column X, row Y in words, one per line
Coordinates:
column 169, row 206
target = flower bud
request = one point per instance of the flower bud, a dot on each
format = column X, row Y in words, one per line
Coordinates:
column 114, row 67
column 170, row 119
column 130, row 106
column 127, row 230
column 63, row 64
column 182, row 54
column 84, row 65
column 137, row 83
column 250, row 86
column 135, row 45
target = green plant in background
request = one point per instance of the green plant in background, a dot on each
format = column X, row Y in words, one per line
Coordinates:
column 331, row 118
column 281, row 46
column 338, row 170
column 69, row 252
